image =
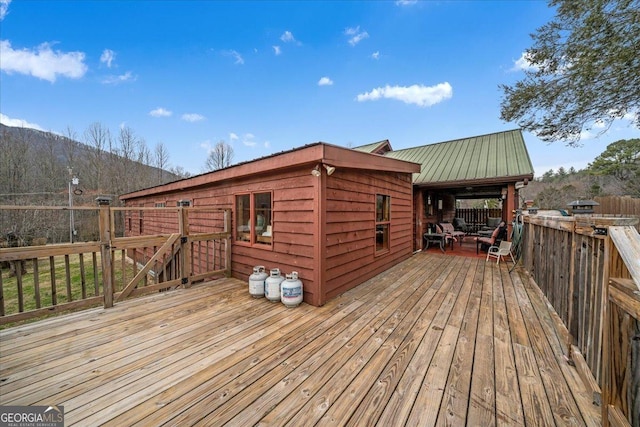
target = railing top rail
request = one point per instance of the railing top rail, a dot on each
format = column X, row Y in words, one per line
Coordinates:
column 627, row 242
column 564, row 223
column 168, row 208
column 47, row 208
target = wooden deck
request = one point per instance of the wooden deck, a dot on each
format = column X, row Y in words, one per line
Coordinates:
column 436, row 340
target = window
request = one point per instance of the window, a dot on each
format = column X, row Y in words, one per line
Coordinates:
column 383, row 222
column 253, row 218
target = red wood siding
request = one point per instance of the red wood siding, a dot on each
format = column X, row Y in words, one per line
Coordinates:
column 323, row 227
column 293, row 223
column 350, row 226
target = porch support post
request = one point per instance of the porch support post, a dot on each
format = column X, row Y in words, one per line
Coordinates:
column 185, row 245
column 104, row 224
column 227, row 241
column 419, row 213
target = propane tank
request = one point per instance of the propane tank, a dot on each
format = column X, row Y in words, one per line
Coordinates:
column 256, row 282
column 272, row 285
column 291, row 290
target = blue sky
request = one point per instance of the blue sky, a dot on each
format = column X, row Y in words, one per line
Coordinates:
column 269, row 76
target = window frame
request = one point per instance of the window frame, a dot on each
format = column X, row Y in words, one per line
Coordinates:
column 252, row 233
column 384, row 223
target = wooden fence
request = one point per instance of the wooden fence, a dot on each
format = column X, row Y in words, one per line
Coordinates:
column 619, row 205
column 40, row 280
column 588, row 267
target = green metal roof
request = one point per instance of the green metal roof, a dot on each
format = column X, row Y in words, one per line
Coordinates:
column 374, row 147
column 484, row 158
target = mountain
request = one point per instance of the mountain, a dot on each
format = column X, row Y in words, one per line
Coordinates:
column 37, row 167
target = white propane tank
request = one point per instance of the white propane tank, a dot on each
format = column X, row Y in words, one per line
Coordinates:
column 256, row 282
column 272, row 285
column 291, row 290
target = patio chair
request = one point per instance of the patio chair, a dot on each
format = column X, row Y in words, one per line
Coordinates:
column 459, row 224
column 492, row 223
column 499, row 234
column 451, row 234
column 499, row 251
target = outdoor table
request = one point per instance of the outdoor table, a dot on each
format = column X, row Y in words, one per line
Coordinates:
column 435, row 238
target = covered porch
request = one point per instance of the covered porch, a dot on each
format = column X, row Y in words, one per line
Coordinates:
column 434, row 340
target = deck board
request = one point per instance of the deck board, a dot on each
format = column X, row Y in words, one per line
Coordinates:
column 435, row 340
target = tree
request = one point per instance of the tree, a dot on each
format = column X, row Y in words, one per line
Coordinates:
column 584, row 70
column 180, row 172
column 556, row 198
column 548, row 176
column 161, row 160
column 98, row 137
column 620, row 160
column 220, row 157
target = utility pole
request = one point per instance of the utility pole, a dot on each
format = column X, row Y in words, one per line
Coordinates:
column 72, row 181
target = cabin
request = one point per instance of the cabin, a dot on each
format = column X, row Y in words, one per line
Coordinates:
column 339, row 216
column 336, row 216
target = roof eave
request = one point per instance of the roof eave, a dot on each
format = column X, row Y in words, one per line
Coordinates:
column 315, row 153
column 475, row 182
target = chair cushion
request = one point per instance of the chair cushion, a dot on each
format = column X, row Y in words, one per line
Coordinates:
column 495, row 233
column 493, row 222
column 446, row 227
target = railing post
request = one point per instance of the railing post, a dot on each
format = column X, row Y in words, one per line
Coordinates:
column 227, row 241
column 185, row 246
column 572, row 275
column 605, row 336
column 104, row 224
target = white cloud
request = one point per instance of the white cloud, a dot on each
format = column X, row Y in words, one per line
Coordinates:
column 267, row 144
column 4, row 8
column 238, row 58
column 8, row 121
column 192, row 117
column 524, row 63
column 325, row 81
column 248, row 140
column 107, row 57
column 233, row 136
column 422, row 96
column 375, row 55
column 206, row 145
column 406, row 2
column 43, row 63
column 160, row 112
column 287, row 37
column 277, row 50
column 630, row 115
column 122, row 78
column 355, row 35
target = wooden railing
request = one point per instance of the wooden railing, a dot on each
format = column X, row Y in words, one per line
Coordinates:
column 588, row 267
column 40, row 280
column 621, row 335
column 476, row 218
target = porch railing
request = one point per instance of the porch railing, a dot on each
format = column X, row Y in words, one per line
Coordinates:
column 39, row 280
column 476, row 218
column 588, row 267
